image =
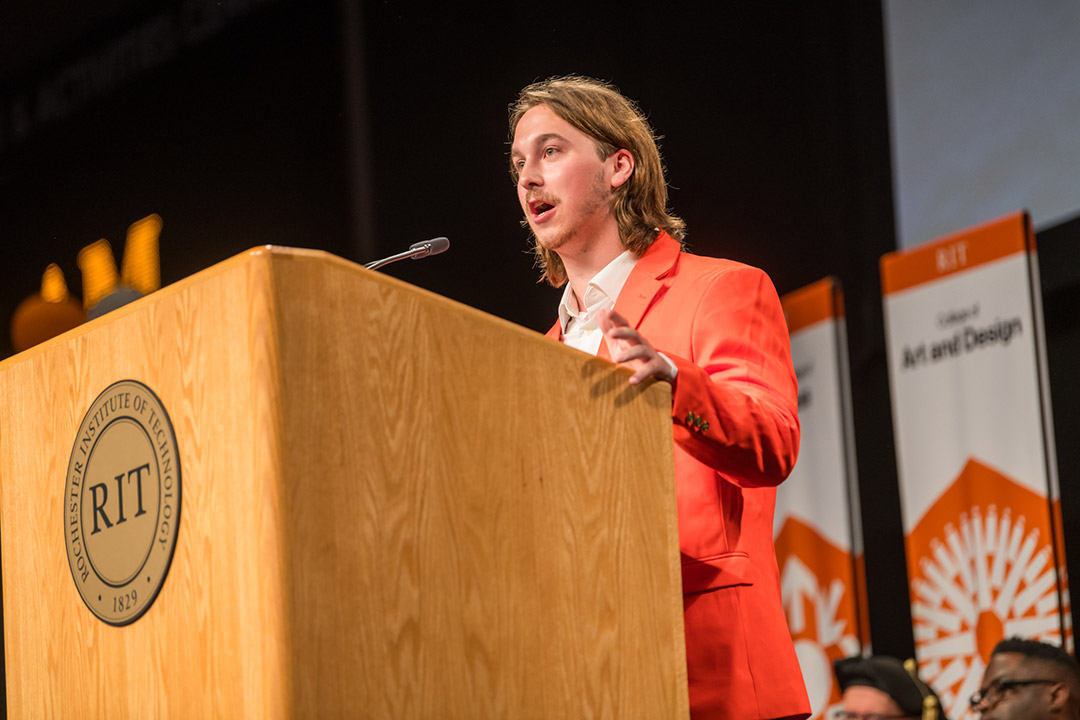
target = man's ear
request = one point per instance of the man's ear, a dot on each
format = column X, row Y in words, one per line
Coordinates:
column 1059, row 696
column 623, row 166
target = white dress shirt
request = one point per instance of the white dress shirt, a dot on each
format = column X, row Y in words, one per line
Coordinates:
column 579, row 327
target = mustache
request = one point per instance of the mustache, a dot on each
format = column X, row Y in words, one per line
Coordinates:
column 542, row 197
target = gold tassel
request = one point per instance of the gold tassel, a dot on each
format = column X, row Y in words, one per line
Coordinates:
column 930, row 709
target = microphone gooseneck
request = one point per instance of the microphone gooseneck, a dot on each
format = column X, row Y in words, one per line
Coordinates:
column 416, row 251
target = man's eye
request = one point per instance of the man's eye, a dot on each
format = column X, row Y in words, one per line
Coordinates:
column 548, row 152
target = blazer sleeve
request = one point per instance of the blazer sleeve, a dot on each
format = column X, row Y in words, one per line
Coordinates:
column 735, row 400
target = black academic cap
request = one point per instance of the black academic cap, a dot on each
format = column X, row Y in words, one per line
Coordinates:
column 888, row 675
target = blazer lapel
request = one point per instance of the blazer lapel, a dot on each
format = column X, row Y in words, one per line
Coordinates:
column 650, row 276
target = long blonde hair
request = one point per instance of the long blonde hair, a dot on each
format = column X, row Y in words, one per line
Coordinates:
column 599, row 110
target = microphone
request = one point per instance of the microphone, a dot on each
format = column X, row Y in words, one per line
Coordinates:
column 416, row 251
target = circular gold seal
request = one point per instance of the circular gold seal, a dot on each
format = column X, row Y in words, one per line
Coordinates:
column 122, row 502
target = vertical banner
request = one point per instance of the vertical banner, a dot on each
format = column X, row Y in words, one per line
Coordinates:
column 974, row 445
column 817, row 533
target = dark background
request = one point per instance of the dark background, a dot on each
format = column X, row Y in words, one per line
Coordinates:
column 360, row 128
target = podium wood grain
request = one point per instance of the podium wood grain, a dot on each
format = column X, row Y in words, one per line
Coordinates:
column 394, row 506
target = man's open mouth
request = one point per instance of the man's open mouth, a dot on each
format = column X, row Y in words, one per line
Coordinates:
column 540, row 208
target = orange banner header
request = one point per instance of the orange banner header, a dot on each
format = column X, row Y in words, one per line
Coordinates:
column 822, row 300
column 964, row 250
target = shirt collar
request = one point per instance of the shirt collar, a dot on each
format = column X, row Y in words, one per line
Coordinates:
column 603, row 290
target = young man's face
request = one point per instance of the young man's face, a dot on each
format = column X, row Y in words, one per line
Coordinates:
column 1008, row 702
column 563, row 186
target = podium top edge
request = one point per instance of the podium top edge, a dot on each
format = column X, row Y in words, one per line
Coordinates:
column 272, row 253
column 287, row 251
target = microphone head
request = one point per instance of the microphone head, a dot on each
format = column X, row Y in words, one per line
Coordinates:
column 433, row 247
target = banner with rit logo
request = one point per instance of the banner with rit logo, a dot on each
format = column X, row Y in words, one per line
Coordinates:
column 817, row 532
column 975, row 454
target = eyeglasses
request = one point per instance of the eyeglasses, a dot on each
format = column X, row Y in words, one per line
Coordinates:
column 993, row 692
column 848, row 715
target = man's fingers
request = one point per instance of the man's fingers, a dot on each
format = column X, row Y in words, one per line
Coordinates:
column 631, row 347
column 617, row 319
column 634, row 352
column 654, row 368
column 608, row 319
column 603, row 319
column 623, row 332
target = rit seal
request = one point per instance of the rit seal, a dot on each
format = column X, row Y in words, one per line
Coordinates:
column 122, row 502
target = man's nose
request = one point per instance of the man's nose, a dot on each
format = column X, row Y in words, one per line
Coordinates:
column 529, row 175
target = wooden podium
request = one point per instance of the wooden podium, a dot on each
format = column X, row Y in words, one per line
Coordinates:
column 392, row 506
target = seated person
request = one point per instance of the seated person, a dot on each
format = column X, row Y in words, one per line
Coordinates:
column 1028, row 679
column 879, row 688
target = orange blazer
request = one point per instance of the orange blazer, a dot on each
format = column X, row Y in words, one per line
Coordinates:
column 736, row 429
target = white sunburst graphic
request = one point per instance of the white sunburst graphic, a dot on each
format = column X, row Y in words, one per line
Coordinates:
column 799, row 585
column 988, row 579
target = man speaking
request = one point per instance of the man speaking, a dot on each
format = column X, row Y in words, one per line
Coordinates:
column 591, row 184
